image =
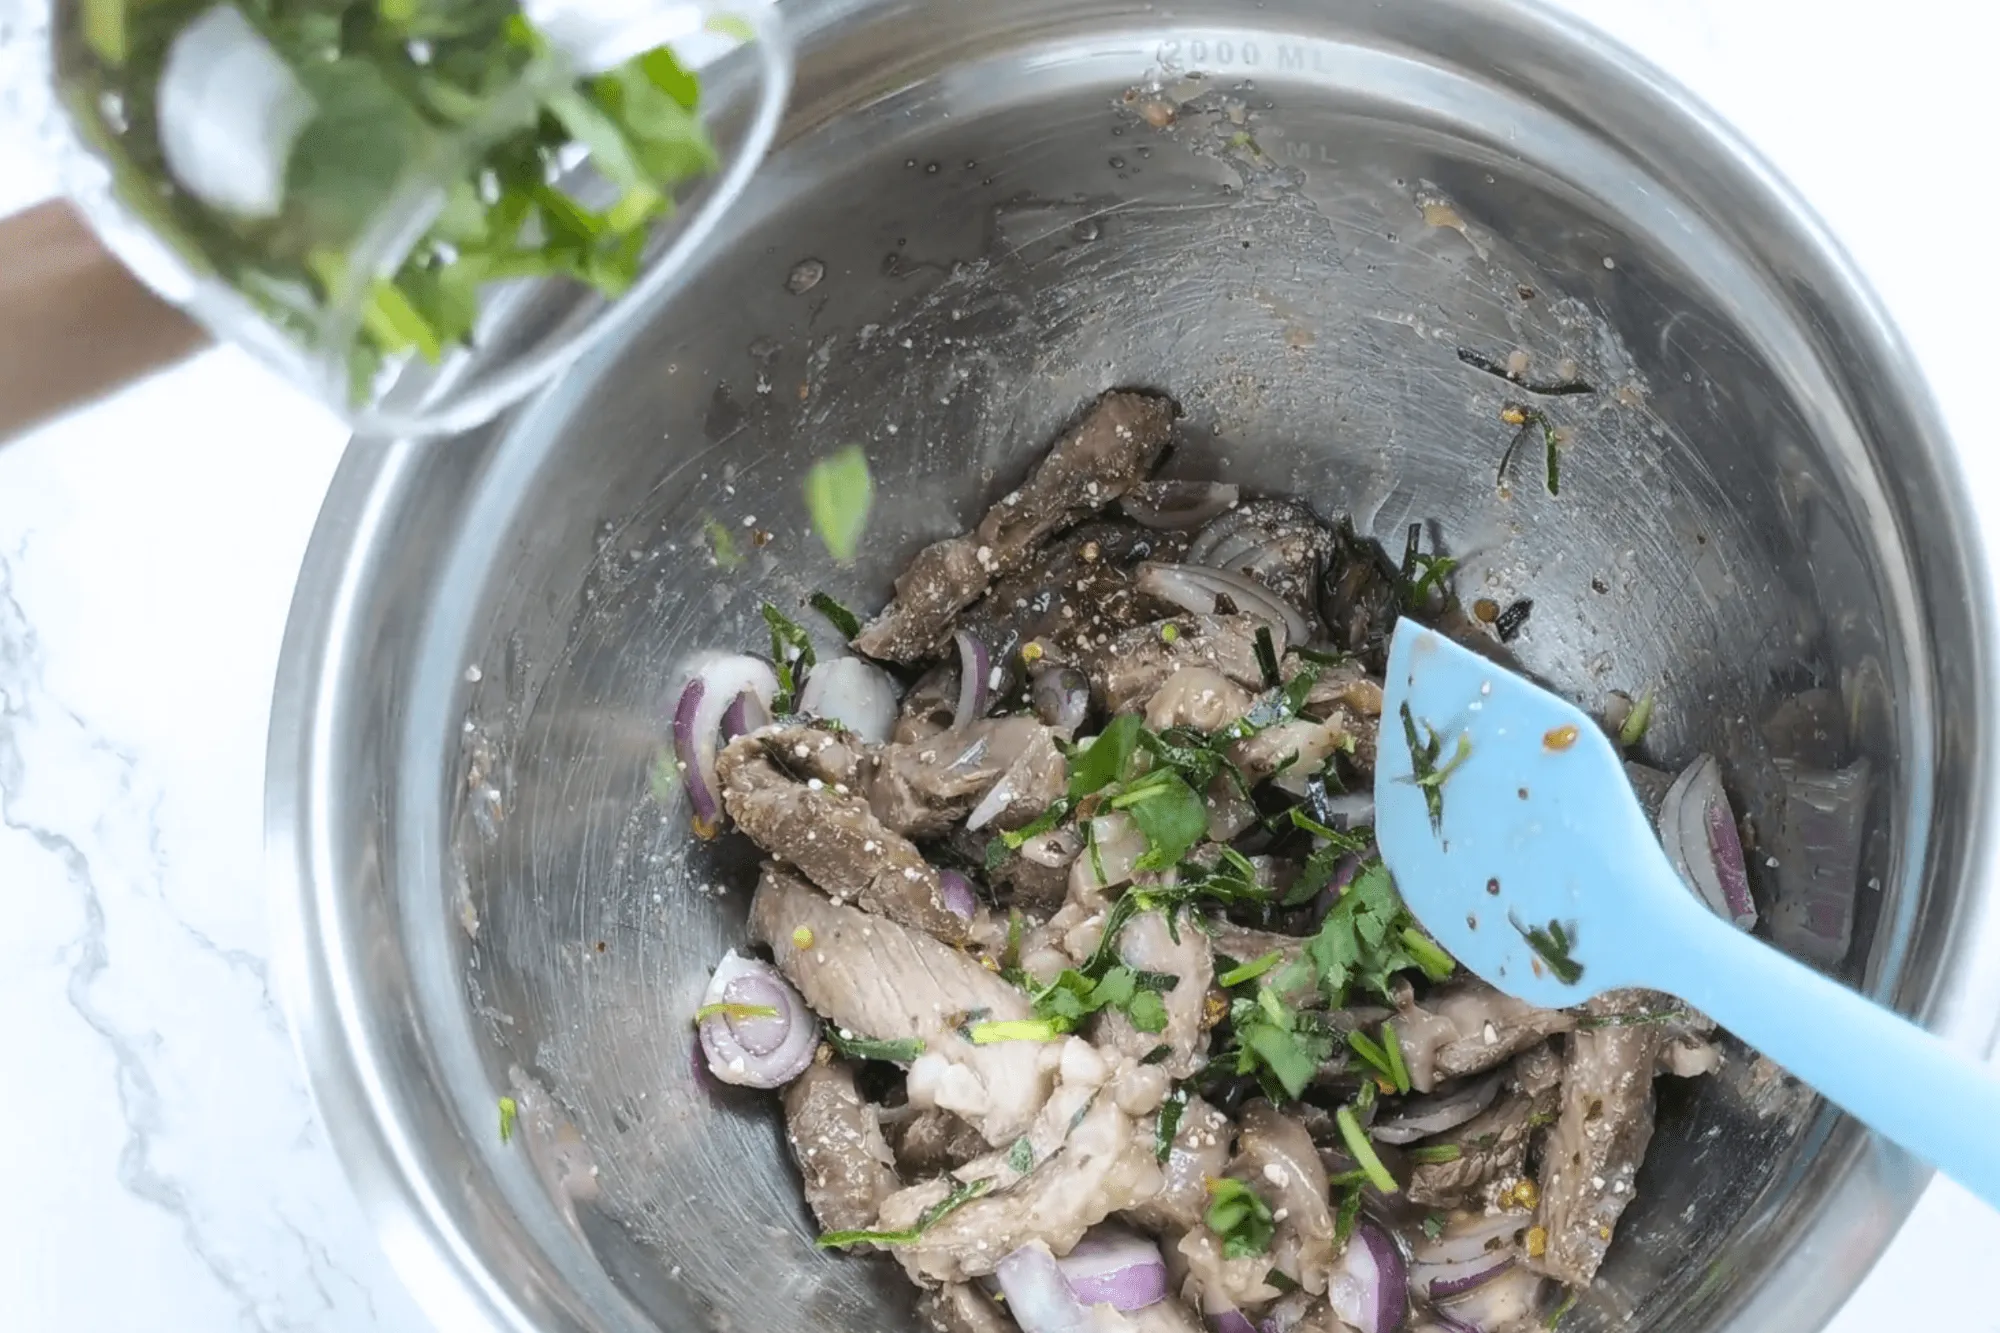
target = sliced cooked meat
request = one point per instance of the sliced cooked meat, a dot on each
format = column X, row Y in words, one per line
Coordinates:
column 1088, row 1158
column 807, row 751
column 1135, row 664
column 1600, row 1135
column 1275, row 1152
column 1149, row 944
column 1345, row 685
column 1163, row 1317
column 831, row 834
column 837, row 1142
column 1075, row 591
column 1200, row 1152
column 1279, row 543
column 1493, row 1146
column 923, row 788
column 960, row 1307
column 1215, row 1283
column 1469, row 1028
column 1293, row 751
column 930, row 1142
column 1199, row 697
column 1034, row 877
column 1114, row 447
column 877, row 979
column 929, row 707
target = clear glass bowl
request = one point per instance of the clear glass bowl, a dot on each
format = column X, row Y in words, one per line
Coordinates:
column 358, row 191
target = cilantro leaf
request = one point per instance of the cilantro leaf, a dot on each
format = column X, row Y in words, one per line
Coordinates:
column 1241, row 1217
column 1173, row 820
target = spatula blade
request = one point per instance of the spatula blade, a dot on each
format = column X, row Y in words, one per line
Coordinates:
column 1507, row 827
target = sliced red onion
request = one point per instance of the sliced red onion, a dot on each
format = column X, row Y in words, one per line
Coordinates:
column 1171, row 506
column 1037, row 1294
column 1114, row 1266
column 1472, row 1236
column 1195, row 588
column 1421, row 1117
column 958, row 895
column 856, row 693
column 719, row 681
column 1344, row 871
column 1231, row 1321
column 1506, row 1300
column 975, row 671
column 1456, row 1280
column 1367, row 1288
column 744, row 716
column 756, row 1052
column 1060, row 696
column 1698, row 831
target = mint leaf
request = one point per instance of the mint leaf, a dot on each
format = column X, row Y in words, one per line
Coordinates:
column 1104, row 761
column 839, row 494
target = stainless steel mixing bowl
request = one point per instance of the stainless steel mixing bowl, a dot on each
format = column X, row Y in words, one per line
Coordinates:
column 980, row 216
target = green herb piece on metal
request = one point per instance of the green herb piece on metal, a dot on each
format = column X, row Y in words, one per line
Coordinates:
column 843, row 619
column 510, row 1114
column 1527, row 418
column 791, row 656
column 839, row 494
column 721, row 545
column 1637, row 721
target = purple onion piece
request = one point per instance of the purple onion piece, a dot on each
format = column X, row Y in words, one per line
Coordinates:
column 1195, row 588
column 1231, row 1321
column 756, row 1052
column 1171, row 506
column 1445, row 1287
column 1473, row 1238
column 1344, row 871
column 717, row 683
column 1421, row 1117
column 746, row 715
column 697, row 769
column 956, row 891
column 1368, row 1288
column 1037, row 1295
column 1698, row 832
column 1117, row 1267
column 975, row 670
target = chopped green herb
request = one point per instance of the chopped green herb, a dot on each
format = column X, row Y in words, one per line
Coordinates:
column 1368, row 936
column 791, row 655
column 1034, row 828
column 734, row 1012
column 1637, row 721
column 1392, row 1046
column 1169, row 632
column 1158, row 1055
column 1433, row 1225
column 1010, row 958
column 1015, row 1029
column 664, row 780
column 962, row 1193
column 1238, row 1215
column 1267, row 657
column 1563, row 1307
column 1249, row 971
column 510, row 1113
column 1424, row 770
column 843, row 619
column 1362, row 1151
column 1552, row 944
column 1291, row 1057
column 1173, row 821
column 1350, row 1211
column 1437, row 1153
column 1021, row 1157
column 1359, row 1042
column 1104, row 760
column 839, row 494
column 1640, row 1019
column 722, row 545
column 1527, row 418
column 1168, row 1125
column 1422, row 574
column 896, row 1051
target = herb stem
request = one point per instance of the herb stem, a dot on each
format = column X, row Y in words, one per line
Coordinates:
column 1363, row 1151
column 1392, row 1046
column 734, row 1012
column 1015, row 1029
column 1249, row 971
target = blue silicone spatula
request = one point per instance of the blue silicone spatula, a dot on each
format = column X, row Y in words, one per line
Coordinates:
column 1517, row 841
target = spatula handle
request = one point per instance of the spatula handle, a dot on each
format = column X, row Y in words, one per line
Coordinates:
column 1893, row 1076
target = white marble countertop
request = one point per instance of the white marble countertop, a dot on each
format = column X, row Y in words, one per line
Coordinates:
column 165, row 1169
